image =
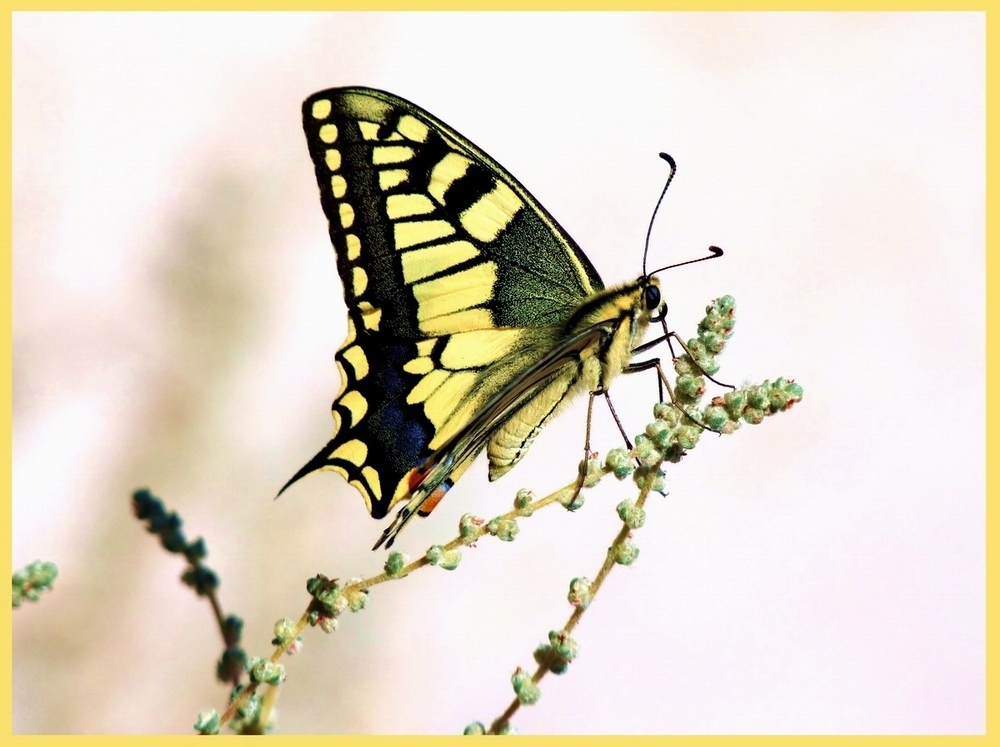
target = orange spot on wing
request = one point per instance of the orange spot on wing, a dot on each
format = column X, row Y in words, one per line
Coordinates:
column 416, row 480
column 430, row 503
column 416, row 477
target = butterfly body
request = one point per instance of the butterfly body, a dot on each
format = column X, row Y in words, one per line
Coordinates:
column 473, row 318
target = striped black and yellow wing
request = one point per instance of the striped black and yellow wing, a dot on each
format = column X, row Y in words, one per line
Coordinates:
column 457, row 282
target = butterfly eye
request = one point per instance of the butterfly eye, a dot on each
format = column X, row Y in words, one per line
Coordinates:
column 652, row 297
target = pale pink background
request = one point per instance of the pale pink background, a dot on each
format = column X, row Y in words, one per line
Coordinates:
column 176, row 310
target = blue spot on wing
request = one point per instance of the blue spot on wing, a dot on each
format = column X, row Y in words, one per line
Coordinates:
column 395, row 432
column 400, row 426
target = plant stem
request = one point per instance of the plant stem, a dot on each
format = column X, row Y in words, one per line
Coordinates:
column 381, row 578
column 609, row 563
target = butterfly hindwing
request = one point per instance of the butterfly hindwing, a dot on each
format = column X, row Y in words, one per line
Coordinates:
column 454, row 279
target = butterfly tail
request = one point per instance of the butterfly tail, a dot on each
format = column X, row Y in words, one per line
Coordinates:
column 319, row 461
column 389, row 535
column 428, row 485
column 427, row 493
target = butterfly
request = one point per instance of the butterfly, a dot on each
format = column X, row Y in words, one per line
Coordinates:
column 472, row 317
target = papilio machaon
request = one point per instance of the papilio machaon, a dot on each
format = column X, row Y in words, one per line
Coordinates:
column 472, row 316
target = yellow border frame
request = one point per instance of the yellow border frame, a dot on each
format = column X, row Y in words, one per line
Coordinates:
column 992, row 211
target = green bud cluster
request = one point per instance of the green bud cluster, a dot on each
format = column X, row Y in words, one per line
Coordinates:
column 356, row 598
column 626, row 552
column 250, row 708
column 689, row 388
column 593, row 471
column 265, row 670
column 716, row 327
column 503, row 529
column 563, row 645
column 523, row 499
column 202, row 579
column 324, row 590
column 28, row 583
column 619, row 463
column 167, row 526
column 525, row 687
column 330, row 600
column 752, row 403
column 714, row 331
column 654, row 479
column 646, row 451
column 284, row 630
column 468, row 527
column 231, row 664
column 207, row 722
column 232, row 628
column 249, row 715
column 633, row 516
column 666, row 412
column 447, row 559
column 558, row 652
column 572, row 500
column 395, row 564
column 702, row 357
column 579, row 592
column 669, row 434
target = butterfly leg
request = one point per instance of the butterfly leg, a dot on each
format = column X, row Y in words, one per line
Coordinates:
column 668, row 337
column 664, row 382
column 590, row 415
column 618, row 422
column 587, row 453
column 645, row 366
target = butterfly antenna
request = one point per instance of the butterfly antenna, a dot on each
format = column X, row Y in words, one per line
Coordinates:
column 714, row 251
column 649, row 231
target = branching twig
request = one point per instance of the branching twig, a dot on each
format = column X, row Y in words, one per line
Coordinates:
column 667, row 439
column 167, row 525
column 329, row 599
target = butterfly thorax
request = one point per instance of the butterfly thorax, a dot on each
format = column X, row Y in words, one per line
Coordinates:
column 598, row 340
column 622, row 316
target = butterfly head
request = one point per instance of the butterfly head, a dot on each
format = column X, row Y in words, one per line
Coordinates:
column 639, row 302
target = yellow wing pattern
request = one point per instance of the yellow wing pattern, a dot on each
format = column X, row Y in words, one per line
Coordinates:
column 459, row 286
